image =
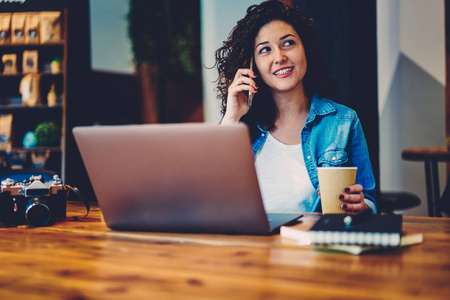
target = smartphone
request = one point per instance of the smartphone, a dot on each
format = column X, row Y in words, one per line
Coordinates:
column 250, row 94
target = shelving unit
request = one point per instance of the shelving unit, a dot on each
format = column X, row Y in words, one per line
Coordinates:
column 26, row 118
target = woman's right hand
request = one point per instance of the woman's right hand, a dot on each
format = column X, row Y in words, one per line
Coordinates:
column 237, row 100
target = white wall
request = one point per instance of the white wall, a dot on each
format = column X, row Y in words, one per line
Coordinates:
column 422, row 34
column 411, row 89
column 388, row 30
column 217, row 20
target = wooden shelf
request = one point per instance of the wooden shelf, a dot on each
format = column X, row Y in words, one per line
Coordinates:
column 12, row 108
column 52, row 149
column 45, row 73
column 32, row 45
column 26, row 118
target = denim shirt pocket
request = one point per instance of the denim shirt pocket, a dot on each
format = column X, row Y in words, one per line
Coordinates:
column 333, row 158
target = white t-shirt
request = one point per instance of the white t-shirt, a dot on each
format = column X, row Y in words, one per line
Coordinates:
column 282, row 175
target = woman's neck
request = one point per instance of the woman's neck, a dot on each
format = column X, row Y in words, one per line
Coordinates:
column 293, row 109
column 291, row 102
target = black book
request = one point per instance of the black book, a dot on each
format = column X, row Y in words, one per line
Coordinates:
column 378, row 230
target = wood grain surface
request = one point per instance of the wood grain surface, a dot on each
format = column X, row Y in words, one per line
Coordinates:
column 85, row 260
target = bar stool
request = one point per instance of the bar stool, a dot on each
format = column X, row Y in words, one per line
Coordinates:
column 430, row 156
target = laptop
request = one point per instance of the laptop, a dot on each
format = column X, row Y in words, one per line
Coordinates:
column 189, row 177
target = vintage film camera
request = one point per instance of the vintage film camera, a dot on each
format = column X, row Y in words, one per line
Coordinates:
column 34, row 201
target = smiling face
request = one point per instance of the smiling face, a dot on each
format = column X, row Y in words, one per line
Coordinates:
column 280, row 57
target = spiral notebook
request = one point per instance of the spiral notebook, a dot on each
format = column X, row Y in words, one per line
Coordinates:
column 330, row 229
column 378, row 230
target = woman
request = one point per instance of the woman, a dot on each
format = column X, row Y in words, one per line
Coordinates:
column 294, row 130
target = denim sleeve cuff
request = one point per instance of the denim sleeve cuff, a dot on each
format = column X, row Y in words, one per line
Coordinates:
column 371, row 205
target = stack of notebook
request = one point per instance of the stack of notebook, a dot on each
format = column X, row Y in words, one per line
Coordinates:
column 334, row 232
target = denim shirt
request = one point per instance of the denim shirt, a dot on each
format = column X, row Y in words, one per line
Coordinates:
column 332, row 137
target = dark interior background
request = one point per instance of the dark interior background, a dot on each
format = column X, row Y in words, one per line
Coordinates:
column 93, row 97
column 108, row 98
column 347, row 30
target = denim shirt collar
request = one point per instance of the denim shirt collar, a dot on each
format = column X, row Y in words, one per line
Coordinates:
column 319, row 107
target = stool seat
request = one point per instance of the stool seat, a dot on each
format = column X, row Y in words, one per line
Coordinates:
column 390, row 201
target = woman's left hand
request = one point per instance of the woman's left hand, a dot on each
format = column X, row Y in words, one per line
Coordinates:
column 353, row 199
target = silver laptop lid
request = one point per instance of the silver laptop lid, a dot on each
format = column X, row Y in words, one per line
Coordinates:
column 193, row 177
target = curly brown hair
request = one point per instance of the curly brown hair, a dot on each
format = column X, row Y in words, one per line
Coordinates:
column 237, row 51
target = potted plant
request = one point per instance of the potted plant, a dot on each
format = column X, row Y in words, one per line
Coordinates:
column 48, row 134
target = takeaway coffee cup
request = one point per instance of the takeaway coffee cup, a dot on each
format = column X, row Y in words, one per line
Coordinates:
column 332, row 182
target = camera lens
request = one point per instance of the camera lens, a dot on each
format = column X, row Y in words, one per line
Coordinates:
column 37, row 213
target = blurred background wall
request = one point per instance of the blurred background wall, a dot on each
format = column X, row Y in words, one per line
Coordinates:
column 411, row 89
column 218, row 18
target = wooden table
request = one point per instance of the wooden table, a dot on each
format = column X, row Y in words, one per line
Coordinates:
column 430, row 156
column 85, row 260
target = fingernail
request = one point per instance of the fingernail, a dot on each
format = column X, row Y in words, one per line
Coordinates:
column 347, row 190
column 341, row 196
column 344, row 206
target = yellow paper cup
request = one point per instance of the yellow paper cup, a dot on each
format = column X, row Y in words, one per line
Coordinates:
column 332, row 182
